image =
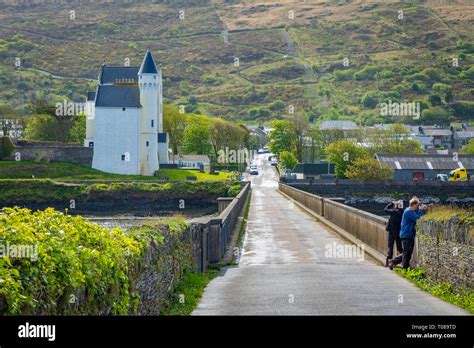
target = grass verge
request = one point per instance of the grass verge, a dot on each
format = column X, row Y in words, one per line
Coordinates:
column 463, row 298
column 73, row 171
column 187, row 294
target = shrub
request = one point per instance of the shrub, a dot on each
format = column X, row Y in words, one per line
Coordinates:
column 468, row 74
column 74, row 259
column 73, row 255
column 276, row 105
column 343, row 75
column 418, row 87
column 368, row 169
column 367, row 73
column 370, row 99
column 234, row 190
column 434, row 99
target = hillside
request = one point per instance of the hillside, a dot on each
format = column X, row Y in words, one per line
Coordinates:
column 290, row 53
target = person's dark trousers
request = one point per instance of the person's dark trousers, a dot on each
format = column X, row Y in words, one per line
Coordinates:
column 394, row 238
column 407, row 244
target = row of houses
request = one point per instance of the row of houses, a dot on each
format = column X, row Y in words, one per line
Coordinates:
column 432, row 138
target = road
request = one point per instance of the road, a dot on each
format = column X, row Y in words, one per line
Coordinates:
column 285, row 269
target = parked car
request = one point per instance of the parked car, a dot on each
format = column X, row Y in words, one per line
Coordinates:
column 260, row 151
column 442, row 177
column 253, row 170
column 274, row 161
column 266, row 150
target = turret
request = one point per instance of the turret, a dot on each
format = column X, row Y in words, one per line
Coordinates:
column 149, row 82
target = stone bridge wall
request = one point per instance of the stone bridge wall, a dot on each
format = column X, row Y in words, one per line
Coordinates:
column 347, row 188
column 366, row 227
column 216, row 232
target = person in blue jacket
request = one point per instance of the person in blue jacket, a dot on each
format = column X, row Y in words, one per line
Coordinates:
column 411, row 214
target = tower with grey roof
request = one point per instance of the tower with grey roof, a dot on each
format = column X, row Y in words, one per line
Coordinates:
column 125, row 123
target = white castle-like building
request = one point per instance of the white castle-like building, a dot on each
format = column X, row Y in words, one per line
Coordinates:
column 125, row 120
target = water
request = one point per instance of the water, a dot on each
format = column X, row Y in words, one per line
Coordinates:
column 129, row 221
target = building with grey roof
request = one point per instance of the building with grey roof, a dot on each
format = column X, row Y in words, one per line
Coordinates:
column 343, row 125
column 124, row 123
column 424, row 167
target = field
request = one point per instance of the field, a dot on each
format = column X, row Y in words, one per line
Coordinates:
column 274, row 54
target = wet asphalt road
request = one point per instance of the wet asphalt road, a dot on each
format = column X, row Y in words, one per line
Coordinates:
column 286, row 269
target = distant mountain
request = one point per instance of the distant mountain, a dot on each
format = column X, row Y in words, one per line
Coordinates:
column 247, row 61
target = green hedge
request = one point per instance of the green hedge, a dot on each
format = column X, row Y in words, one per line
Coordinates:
column 78, row 267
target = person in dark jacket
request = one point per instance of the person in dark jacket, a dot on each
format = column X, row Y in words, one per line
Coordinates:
column 395, row 210
column 408, row 232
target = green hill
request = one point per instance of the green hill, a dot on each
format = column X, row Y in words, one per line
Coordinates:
column 290, row 53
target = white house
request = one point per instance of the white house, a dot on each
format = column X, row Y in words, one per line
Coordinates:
column 125, row 120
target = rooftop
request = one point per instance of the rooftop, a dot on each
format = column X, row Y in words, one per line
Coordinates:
column 118, row 96
column 113, row 74
column 427, row 161
column 191, row 158
column 437, row 132
column 337, row 124
column 148, row 66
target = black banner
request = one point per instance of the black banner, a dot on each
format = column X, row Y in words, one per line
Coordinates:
column 210, row 330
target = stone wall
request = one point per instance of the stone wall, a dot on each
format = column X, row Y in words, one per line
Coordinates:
column 446, row 251
column 56, row 152
column 162, row 268
column 163, row 264
column 203, row 242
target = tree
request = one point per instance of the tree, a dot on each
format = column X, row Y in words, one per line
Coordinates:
column 197, row 136
column 394, row 140
column 326, row 137
column 6, row 147
column 174, row 123
column 282, row 137
column 449, row 97
column 343, row 153
column 288, row 160
column 42, row 128
column 368, row 169
column 299, row 129
column 435, row 115
column 77, row 133
column 468, row 149
column 46, row 125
